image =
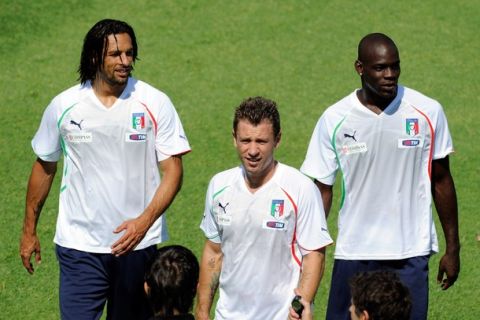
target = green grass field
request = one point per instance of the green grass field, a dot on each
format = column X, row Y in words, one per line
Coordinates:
column 208, row 56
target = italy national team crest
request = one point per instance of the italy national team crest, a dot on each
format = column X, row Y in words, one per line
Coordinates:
column 138, row 121
column 411, row 127
column 277, row 209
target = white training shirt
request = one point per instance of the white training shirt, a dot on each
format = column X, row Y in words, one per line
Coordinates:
column 111, row 155
column 260, row 236
column 385, row 161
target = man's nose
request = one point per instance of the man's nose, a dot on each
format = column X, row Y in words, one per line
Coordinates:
column 253, row 149
column 124, row 59
column 390, row 72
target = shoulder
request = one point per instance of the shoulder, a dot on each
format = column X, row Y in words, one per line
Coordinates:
column 222, row 181
column 227, row 177
column 340, row 109
column 68, row 97
column 146, row 92
column 71, row 94
column 335, row 114
column 419, row 100
column 291, row 178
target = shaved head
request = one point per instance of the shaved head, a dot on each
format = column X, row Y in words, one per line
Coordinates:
column 378, row 65
column 372, row 41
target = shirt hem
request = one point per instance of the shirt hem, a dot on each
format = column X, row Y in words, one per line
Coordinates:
column 386, row 257
column 106, row 250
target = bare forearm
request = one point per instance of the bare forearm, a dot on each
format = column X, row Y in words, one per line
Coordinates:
column 445, row 199
column 313, row 266
column 446, row 205
column 39, row 184
column 211, row 266
column 172, row 173
column 207, row 287
column 134, row 230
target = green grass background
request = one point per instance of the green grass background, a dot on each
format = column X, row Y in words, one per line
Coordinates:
column 208, row 56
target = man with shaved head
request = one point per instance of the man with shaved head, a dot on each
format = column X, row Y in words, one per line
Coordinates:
column 391, row 144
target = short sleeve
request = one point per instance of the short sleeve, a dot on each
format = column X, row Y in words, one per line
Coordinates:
column 312, row 230
column 320, row 162
column 170, row 138
column 46, row 142
column 443, row 141
column 209, row 224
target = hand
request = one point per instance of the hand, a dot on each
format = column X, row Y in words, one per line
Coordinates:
column 135, row 231
column 306, row 313
column 29, row 244
column 448, row 270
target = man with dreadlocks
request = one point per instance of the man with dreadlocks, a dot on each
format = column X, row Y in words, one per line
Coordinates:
column 118, row 136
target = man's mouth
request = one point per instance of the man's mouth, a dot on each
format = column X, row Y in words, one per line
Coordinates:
column 389, row 85
column 252, row 161
column 124, row 71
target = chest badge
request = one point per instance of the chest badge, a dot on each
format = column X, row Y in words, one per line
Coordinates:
column 411, row 126
column 138, row 121
column 276, row 210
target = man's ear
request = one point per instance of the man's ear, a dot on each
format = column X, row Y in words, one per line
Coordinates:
column 364, row 315
column 146, row 288
column 234, row 138
column 278, row 138
column 359, row 67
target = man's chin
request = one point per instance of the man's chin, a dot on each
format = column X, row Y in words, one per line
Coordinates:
column 117, row 81
column 388, row 95
column 122, row 80
column 388, row 91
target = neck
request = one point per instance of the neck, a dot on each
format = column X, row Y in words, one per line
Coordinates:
column 254, row 182
column 374, row 103
column 107, row 93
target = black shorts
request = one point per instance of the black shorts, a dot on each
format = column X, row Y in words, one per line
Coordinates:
column 413, row 272
column 88, row 280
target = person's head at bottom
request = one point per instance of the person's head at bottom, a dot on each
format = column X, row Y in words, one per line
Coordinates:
column 379, row 295
column 171, row 281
